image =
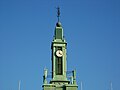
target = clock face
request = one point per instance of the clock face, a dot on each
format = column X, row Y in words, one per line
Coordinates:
column 59, row 53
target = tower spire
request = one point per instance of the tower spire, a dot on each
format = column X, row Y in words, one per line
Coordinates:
column 19, row 85
column 58, row 13
column 111, row 88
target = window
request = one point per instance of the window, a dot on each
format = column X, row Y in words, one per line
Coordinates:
column 59, row 68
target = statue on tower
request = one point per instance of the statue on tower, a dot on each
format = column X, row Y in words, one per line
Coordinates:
column 58, row 13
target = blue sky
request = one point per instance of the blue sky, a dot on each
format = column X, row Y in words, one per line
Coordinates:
column 91, row 29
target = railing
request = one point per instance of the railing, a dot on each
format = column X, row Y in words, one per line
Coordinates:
column 71, row 76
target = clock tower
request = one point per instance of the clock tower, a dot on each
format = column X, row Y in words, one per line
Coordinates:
column 59, row 80
column 59, row 56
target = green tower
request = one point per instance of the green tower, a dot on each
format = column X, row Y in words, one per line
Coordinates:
column 60, row 80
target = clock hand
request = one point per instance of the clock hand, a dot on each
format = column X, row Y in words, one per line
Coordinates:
column 60, row 53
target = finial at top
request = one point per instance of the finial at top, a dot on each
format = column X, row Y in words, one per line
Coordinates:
column 58, row 13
